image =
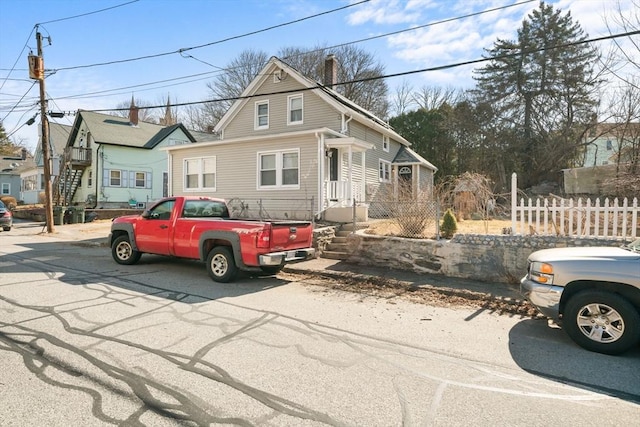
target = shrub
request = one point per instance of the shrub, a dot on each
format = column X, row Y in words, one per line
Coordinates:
column 9, row 201
column 449, row 224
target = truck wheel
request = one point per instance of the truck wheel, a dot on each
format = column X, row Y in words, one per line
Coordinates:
column 123, row 253
column 603, row 322
column 272, row 269
column 220, row 264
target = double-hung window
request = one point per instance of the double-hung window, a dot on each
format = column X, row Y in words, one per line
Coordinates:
column 115, row 178
column 140, row 179
column 385, row 171
column 262, row 115
column 279, row 169
column 295, row 109
column 385, row 143
column 200, row 174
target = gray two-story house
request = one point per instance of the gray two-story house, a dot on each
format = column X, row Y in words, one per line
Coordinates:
column 291, row 138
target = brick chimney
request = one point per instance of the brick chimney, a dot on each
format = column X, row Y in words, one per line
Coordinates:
column 24, row 153
column 133, row 113
column 330, row 71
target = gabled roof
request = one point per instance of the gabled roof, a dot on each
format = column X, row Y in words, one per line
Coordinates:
column 15, row 164
column 114, row 130
column 337, row 101
column 407, row 156
column 58, row 137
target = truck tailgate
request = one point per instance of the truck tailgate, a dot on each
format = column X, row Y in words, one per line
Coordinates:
column 286, row 235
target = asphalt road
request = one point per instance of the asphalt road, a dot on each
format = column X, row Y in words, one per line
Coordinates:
column 85, row 341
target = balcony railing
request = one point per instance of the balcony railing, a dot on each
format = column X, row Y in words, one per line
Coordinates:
column 77, row 156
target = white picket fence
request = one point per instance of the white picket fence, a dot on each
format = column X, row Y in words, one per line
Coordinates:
column 566, row 217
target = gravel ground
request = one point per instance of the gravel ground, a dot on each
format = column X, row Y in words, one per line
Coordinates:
column 390, row 289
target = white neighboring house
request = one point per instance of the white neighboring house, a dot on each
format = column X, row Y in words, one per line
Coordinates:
column 32, row 180
column 290, row 137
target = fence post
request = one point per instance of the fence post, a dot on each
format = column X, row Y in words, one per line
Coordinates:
column 313, row 215
column 514, row 201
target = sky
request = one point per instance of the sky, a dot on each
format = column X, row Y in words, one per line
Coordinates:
column 403, row 35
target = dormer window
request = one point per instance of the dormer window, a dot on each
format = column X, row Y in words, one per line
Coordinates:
column 295, row 110
column 262, row 115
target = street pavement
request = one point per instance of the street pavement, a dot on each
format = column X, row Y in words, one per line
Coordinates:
column 96, row 233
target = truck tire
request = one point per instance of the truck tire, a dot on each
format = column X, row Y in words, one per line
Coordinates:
column 122, row 251
column 603, row 322
column 221, row 265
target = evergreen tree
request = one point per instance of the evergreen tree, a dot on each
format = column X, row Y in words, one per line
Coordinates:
column 429, row 136
column 542, row 90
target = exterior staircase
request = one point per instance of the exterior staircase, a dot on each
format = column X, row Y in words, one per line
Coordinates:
column 339, row 248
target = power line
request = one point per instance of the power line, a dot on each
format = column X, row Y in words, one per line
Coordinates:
column 87, row 14
column 181, row 50
column 307, row 52
column 405, row 73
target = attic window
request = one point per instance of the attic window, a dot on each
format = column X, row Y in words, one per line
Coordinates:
column 262, row 115
column 277, row 76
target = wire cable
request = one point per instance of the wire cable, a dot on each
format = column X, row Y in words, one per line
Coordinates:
column 181, row 50
column 387, row 76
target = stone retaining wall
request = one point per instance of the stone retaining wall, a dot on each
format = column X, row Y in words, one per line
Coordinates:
column 487, row 258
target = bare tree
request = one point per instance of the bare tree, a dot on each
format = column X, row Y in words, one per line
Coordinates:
column 434, row 97
column 228, row 85
column 402, row 98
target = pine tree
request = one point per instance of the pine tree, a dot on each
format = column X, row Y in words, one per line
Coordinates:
column 542, row 87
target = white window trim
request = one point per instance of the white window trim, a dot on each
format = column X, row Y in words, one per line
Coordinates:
column 256, row 124
column 290, row 98
column 133, row 181
column 200, row 186
column 6, row 189
column 121, row 178
column 279, row 186
column 387, row 166
column 385, row 143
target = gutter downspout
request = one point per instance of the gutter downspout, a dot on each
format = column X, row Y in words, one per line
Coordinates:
column 345, row 124
column 98, row 176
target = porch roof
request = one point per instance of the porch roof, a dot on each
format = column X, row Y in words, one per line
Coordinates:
column 357, row 145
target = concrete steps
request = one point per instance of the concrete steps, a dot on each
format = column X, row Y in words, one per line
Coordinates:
column 338, row 248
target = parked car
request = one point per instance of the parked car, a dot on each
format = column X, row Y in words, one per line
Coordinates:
column 201, row 228
column 592, row 292
column 6, row 217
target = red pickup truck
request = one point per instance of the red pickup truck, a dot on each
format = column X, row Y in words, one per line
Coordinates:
column 200, row 228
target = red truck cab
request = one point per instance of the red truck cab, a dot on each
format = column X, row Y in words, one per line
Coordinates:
column 201, row 228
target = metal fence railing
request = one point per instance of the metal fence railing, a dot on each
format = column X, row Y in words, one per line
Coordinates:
column 416, row 218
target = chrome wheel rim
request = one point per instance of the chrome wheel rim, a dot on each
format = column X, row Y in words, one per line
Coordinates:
column 600, row 323
column 123, row 251
column 219, row 265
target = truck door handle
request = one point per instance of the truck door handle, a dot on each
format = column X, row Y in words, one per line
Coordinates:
column 164, row 226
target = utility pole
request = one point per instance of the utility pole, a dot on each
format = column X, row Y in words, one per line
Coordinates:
column 46, row 154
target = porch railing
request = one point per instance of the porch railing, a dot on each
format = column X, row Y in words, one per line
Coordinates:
column 338, row 192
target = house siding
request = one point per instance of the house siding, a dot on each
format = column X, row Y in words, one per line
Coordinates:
column 316, row 112
column 237, row 171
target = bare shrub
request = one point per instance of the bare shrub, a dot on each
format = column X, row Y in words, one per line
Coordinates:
column 408, row 213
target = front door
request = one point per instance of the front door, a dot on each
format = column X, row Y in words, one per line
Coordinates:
column 334, row 168
column 405, row 182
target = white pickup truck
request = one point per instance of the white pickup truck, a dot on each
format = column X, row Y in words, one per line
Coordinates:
column 593, row 292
